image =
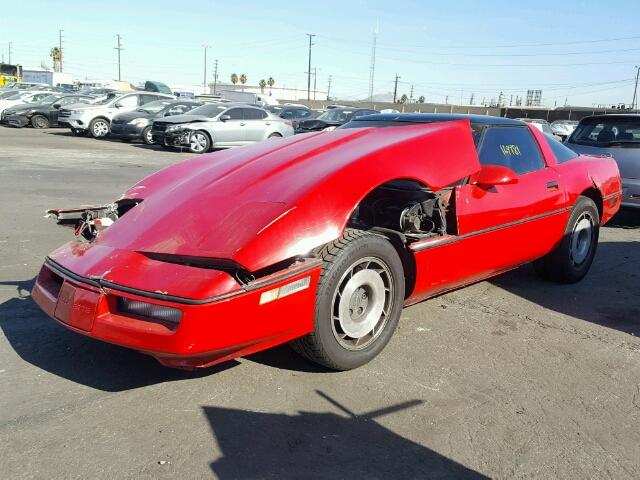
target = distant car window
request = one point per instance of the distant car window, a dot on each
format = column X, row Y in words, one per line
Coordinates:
column 177, row 110
column 209, row 110
column 546, row 128
column 287, row 114
column 303, row 113
column 362, row 113
column 603, row 132
column 235, row 113
column 254, row 114
column 561, row 152
column 128, row 101
column 144, row 99
column 69, row 100
column 512, row 147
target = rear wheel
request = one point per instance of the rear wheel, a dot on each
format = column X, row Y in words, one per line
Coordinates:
column 199, row 142
column 358, row 303
column 275, row 135
column 99, row 128
column 570, row 261
column 40, row 121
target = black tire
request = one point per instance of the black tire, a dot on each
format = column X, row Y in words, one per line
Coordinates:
column 341, row 257
column 99, row 128
column 146, row 136
column 39, row 121
column 568, row 262
column 199, row 142
column 78, row 133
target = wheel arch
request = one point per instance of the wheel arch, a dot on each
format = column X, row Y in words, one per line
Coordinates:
column 595, row 195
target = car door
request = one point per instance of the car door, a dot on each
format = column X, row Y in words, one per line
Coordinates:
column 55, row 108
column 230, row 132
column 256, row 124
column 501, row 226
column 126, row 103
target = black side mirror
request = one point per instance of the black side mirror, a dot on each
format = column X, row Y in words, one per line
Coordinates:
column 56, row 106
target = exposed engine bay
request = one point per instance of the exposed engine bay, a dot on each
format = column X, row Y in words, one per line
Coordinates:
column 406, row 207
column 88, row 221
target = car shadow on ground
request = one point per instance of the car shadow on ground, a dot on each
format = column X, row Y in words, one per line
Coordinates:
column 628, row 219
column 608, row 296
column 313, row 445
column 40, row 341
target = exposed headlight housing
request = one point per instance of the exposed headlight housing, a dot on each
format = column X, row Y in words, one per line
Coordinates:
column 171, row 128
column 138, row 122
column 158, row 313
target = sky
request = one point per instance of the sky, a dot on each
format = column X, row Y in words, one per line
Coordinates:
column 583, row 52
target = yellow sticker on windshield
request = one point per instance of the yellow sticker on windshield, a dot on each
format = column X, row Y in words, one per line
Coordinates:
column 510, row 150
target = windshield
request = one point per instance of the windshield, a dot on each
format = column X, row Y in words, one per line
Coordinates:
column 608, row 131
column 106, row 99
column 273, row 109
column 336, row 115
column 49, row 99
column 210, row 110
column 155, row 107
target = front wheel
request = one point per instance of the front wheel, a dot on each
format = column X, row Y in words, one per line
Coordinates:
column 40, row 121
column 99, row 128
column 199, row 142
column 358, row 302
column 570, row 261
column 146, row 136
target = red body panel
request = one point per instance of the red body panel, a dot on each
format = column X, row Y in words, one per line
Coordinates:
column 270, row 202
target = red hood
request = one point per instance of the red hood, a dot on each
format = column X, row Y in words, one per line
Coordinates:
column 264, row 203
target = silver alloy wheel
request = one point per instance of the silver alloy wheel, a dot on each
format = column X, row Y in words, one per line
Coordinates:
column 581, row 238
column 39, row 122
column 100, row 128
column 198, row 142
column 362, row 303
column 148, row 136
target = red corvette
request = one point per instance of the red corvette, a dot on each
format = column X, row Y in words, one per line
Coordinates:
column 322, row 238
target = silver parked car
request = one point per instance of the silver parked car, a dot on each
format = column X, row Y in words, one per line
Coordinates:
column 219, row 125
column 564, row 128
column 619, row 137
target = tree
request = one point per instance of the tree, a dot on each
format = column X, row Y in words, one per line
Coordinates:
column 404, row 98
column 234, row 78
column 56, row 55
column 421, row 99
column 243, row 80
column 262, row 83
column 271, row 82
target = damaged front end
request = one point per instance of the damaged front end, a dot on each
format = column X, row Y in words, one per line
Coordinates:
column 89, row 220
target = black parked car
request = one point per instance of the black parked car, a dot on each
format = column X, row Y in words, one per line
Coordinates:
column 43, row 114
column 136, row 125
column 295, row 113
column 333, row 118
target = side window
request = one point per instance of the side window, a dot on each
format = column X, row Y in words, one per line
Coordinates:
column 302, row 113
column 511, row 147
column 287, row 114
column 561, row 152
column 254, row 114
column 147, row 99
column 235, row 113
column 69, row 100
column 177, row 110
column 128, row 101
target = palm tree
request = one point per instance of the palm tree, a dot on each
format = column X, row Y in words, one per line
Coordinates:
column 234, row 78
column 243, row 80
column 404, row 98
column 262, row 83
column 271, row 82
column 421, row 99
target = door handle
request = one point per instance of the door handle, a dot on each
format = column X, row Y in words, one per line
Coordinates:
column 242, row 124
column 552, row 185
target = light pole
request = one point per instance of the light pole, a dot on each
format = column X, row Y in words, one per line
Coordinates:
column 310, row 35
column 204, row 80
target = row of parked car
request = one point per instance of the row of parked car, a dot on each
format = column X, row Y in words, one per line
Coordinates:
column 156, row 118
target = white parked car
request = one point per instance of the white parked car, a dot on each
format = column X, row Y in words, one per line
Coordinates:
column 96, row 118
column 17, row 98
column 564, row 128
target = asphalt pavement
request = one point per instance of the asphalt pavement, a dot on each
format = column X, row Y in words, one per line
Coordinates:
column 508, row 378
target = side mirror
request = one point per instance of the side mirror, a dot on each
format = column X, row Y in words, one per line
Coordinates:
column 491, row 175
column 224, row 118
column 56, row 106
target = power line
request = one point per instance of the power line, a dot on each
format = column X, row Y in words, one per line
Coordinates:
column 310, row 35
column 119, row 49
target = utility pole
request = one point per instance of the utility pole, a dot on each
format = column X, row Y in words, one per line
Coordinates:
column 411, row 94
column 329, row 89
column 215, row 76
column 634, row 103
column 60, row 46
column 119, row 49
column 395, row 89
column 204, row 81
column 310, row 35
column 315, row 82
column 373, row 64
column 10, row 43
